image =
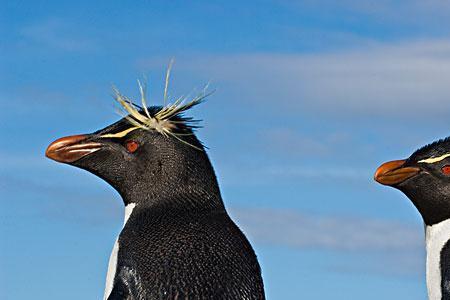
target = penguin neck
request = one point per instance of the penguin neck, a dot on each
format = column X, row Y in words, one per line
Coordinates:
column 437, row 236
column 185, row 197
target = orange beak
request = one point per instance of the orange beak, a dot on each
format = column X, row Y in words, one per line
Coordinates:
column 393, row 173
column 71, row 148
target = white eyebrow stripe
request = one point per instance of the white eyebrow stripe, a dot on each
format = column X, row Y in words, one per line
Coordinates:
column 119, row 134
column 432, row 160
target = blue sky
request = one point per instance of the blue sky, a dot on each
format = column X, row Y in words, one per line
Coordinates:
column 311, row 96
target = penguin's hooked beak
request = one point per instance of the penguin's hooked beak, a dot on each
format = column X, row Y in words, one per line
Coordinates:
column 71, row 148
column 394, row 172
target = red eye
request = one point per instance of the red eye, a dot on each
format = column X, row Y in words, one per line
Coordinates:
column 446, row 169
column 131, row 146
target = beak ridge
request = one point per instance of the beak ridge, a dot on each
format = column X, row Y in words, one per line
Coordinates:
column 71, row 148
column 394, row 172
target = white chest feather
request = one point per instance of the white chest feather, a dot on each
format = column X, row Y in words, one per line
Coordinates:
column 437, row 236
column 112, row 265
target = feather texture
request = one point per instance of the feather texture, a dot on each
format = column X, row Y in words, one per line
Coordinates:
column 162, row 120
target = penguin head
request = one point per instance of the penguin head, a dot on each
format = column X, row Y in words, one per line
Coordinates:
column 143, row 162
column 424, row 178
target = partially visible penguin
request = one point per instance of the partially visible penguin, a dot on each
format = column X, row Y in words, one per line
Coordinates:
column 425, row 178
column 178, row 241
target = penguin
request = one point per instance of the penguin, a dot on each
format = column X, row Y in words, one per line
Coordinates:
column 177, row 240
column 424, row 178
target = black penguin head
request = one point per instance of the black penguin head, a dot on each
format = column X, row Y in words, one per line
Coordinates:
column 425, row 178
column 143, row 164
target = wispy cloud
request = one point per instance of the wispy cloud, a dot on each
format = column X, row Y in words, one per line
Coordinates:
column 295, row 143
column 238, row 175
column 10, row 161
column 388, row 10
column 381, row 246
column 58, row 34
column 344, row 233
column 385, row 80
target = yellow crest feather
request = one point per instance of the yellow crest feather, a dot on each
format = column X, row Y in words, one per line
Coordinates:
column 161, row 120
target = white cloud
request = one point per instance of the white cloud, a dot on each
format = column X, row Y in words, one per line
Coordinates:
column 388, row 10
column 253, row 173
column 297, row 143
column 299, row 230
column 408, row 79
column 374, row 245
column 10, row 161
column 58, row 34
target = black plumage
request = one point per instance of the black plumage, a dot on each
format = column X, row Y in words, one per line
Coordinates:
column 425, row 183
column 425, row 178
column 444, row 263
column 179, row 242
column 434, row 149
